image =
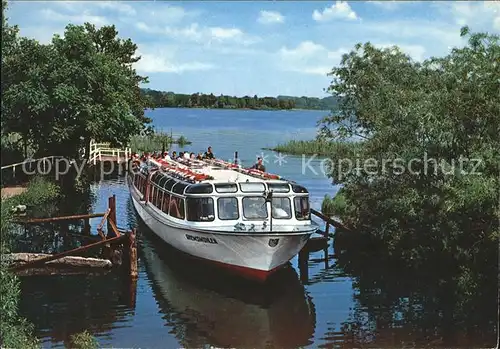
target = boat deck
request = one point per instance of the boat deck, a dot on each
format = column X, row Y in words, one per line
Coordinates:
column 219, row 171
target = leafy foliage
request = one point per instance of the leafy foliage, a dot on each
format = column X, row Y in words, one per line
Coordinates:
column 80, row 87
column 15, row 331
column 84, row 340
column 437, row 112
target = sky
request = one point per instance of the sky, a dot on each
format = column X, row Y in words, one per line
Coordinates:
column 267, row 48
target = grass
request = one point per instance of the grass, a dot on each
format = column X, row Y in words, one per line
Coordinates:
column 155, row 142
column 314, row 147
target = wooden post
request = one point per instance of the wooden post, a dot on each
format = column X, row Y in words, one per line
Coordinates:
column 112, row 215
column 86, row 226
column 132, row 254
column 327, row 228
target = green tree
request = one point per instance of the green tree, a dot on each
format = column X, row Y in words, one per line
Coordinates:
column 80, row 87
column 445, row 109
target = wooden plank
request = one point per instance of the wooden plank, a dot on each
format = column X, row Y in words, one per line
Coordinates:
column 69, row 261
column 333, row 222
column 63, row 218
column 103, row 220
column 67, row 253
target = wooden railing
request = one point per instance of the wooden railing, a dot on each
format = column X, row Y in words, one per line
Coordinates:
column 43, row 161
column 100, row 151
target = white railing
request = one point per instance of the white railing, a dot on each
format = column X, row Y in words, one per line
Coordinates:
column 98, row 150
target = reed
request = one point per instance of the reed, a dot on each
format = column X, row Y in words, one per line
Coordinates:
column 315, row 147
column 334, row 206
column 155, row 142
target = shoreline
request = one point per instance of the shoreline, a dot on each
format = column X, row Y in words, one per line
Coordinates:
column 255, row 109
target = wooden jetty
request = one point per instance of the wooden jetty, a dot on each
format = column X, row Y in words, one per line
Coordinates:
column 115, row 244
column 318, row 243
column 100, row 152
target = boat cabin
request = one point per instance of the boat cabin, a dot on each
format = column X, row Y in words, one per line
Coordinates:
column 222, row 202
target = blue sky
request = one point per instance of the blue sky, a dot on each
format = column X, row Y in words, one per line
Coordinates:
column 260, row 47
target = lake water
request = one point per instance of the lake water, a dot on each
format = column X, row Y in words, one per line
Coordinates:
column 180, row 304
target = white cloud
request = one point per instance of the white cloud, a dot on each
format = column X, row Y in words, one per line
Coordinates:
column 197, row 33
column 269, row 17
column 115, row 6
column 484, row 14
column 309, row 58
column 389, row 5
column 162, row 62
column 225, row 33
column 339, row 10
column 496, row 23
column 169, row 13
column 86, row 16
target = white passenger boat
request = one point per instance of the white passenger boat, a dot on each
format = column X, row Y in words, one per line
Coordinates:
column 248, row 221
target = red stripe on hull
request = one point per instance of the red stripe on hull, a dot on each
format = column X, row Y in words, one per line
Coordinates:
column 249, row 273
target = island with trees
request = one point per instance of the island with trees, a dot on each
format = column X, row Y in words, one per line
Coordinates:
column 161, row 99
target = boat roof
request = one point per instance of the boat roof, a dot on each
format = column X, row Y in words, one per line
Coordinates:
column 214, row 171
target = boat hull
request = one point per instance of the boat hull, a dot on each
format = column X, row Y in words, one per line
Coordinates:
column 255, row 256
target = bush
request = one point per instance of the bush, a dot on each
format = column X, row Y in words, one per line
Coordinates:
column 335, row 206
column 83, row 340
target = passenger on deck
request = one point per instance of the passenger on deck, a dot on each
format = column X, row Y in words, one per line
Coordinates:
column 186, row 155
column 192, row 156
column 199, row 156
column 166, row 156
column 181, row 155
column 259, row 166
column 174, row 155
column 209, row 154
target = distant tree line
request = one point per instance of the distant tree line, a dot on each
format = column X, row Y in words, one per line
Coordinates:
column 161, row 99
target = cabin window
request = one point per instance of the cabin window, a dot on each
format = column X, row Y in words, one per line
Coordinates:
column 252, row 187
column 162, row 181
column 302, row 210
column 179, row 188
column 228, row 208
column 166, row 202
column 226, row 188
column 200, row 209
column 298, row 189
column 203, row 188
column 168, row 184
column 281, row 208
column 254, row 207
column 177, row 207
column 279, row 187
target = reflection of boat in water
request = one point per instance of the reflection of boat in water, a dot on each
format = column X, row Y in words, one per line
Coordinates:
column 206, row 307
